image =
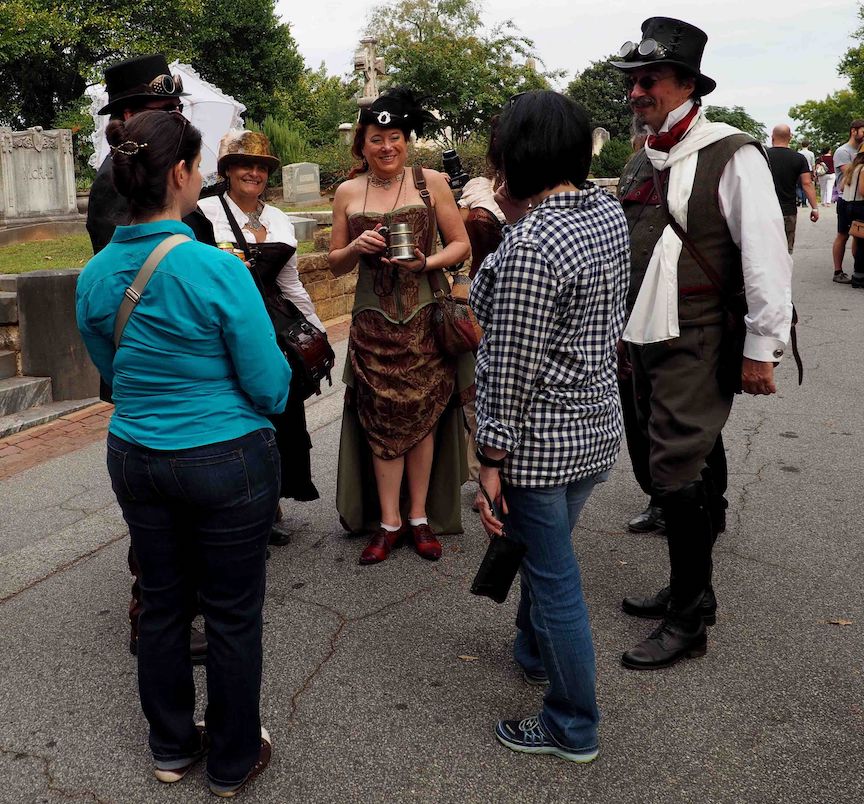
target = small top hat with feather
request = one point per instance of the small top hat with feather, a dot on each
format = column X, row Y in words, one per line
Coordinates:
column 397, row 107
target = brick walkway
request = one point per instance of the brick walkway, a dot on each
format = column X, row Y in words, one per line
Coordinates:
column 66, row 434
column 75, row 430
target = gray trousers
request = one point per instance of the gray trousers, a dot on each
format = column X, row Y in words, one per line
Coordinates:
column 679, row 403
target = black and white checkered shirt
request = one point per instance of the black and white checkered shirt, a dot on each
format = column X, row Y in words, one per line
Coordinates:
column 551, row 302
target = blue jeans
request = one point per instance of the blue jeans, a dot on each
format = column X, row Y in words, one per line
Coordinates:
column 199, row 520
column 554, row 634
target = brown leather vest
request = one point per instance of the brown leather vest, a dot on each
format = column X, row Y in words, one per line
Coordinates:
column 699, row 302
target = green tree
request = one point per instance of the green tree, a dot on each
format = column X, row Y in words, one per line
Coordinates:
column 246, row 51
column 736, row 116
column 441, row 49
column 317, row 103
column 601, row 91
column 852, row 63
column 50, row 52
column 826, row 122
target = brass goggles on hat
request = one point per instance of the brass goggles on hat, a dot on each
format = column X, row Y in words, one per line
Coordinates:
column 646, row 49
column 166, row 84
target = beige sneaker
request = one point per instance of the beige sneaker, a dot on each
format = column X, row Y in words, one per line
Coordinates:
column 172, row 775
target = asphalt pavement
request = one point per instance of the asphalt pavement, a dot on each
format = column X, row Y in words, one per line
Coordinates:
column 384, row 683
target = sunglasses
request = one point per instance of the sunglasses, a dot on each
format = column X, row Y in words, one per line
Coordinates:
column 182, row 133
column 166, row 84
column 647, row 49
column 646, row 82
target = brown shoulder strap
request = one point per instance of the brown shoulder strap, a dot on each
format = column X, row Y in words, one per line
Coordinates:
column 709, row 271
column 420, row 184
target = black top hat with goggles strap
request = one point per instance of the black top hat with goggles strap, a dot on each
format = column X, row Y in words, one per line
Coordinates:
column 140, row 79
column 668, row 41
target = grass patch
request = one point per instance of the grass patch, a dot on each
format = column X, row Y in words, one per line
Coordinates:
column 300, row 210
column 65, row 252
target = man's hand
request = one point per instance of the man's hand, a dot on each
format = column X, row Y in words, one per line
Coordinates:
column 814, row 215
column 757, row 377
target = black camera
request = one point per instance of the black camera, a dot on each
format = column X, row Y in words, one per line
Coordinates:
column 453, row 168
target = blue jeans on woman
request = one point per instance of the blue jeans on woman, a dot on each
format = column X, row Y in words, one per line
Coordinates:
column 199, row 520
column 554, row 634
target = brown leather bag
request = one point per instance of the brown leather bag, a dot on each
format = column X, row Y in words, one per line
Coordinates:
column 456, row 327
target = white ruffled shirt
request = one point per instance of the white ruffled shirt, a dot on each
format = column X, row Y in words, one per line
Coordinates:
column 749, row 205
column 279, row 230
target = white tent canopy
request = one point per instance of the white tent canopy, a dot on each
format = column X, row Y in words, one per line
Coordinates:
column 209, row 109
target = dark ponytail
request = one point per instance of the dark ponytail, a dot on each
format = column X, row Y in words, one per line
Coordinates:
column 144, row 149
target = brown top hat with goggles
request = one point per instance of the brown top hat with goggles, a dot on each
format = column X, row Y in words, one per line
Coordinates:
column 140, row 79
column 245, row 146
column 668, row 41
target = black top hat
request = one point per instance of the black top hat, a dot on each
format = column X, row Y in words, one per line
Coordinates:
column 668, row 41
column 144, row 77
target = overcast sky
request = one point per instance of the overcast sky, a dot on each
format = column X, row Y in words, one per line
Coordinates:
column 765, row 55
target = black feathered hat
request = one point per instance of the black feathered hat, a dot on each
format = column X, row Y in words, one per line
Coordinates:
column 668, row 41
column 397, row 107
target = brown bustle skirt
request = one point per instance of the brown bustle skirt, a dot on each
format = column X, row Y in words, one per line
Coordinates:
column 402, row 382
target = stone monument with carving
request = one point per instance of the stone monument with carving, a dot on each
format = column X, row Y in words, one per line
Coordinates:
column 301, row 184
column 37, row 176
column 371, row 66
column 599, row 137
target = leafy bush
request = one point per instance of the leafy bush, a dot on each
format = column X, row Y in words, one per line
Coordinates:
column 334, row 163
column 285, row 142
column 609, row 163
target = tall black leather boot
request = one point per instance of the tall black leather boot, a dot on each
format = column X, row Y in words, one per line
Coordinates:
column 690, row 536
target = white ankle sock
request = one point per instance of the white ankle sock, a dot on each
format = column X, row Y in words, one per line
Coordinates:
column 390, row 528
column 420, row 520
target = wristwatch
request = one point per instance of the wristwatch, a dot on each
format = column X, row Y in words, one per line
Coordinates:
column 485, row 460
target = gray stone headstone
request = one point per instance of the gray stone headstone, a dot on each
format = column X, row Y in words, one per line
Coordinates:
column 599, row 138
column 50, row 343
column 301, row 183
column 37, row 175
column 304, row 228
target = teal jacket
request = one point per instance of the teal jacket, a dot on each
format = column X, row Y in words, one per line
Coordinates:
column 198, row 361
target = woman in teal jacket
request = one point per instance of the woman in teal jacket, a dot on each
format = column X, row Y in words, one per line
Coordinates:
column 191, row 454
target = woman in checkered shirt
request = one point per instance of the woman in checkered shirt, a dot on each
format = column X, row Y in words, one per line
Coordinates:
column 551, row 303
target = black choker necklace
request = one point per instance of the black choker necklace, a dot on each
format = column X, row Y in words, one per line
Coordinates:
column 376, row 181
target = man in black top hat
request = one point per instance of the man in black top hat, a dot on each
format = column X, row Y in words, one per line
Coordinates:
column 704, row 224
column 137, row 85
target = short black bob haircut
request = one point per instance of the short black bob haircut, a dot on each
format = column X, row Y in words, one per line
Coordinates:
column 542, row 139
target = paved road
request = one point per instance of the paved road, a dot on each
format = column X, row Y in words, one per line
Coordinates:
column 365, row 690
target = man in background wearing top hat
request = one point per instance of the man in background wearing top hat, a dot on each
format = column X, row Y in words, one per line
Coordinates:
column 137, row 85
column 718, row 187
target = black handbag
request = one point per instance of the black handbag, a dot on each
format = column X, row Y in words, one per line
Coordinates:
column 305, row 347
column 499, row 566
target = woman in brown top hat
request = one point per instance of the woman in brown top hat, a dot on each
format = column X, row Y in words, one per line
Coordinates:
column 246, row 162
column 402, row 416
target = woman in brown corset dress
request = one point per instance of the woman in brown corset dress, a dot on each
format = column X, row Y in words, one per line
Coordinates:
column 402, row 413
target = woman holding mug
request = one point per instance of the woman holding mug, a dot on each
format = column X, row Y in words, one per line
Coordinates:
column 403, row 407
column 191, row 455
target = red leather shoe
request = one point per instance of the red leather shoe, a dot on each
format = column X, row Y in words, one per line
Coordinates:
column 380, row 545
column 425, row 542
